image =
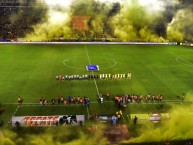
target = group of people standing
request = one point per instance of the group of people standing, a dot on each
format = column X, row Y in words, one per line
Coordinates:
column 115, row 76
column 121, row 101
column 61, row 100
column 93, row 76
column 138, row 98
column 100, row 99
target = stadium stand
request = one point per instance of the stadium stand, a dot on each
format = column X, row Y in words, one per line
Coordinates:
column 16, row 20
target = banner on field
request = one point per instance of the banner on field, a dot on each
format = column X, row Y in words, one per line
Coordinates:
column 153, row 117
column 55, row 120
column 92, row 67
column 104, row 118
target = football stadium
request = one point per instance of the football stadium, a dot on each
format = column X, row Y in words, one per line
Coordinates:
column 77, row 72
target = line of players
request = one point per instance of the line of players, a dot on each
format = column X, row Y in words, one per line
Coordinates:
column 115, row 76
column 100, row 76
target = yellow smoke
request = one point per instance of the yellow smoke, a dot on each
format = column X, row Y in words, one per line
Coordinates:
column 54, row 136
column 177, row 127
column 130, row 23
column 57, row 25
column 181, row 27
column 133, row 22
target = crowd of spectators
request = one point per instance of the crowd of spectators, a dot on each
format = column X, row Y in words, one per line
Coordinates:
column 17, row 19
column 16, row 22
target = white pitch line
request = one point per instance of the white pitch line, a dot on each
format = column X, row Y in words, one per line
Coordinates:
column 17, row 103
column 15, row 110
column 96, row 102
column 50, row 105
column 92, row 72
column 65, row 64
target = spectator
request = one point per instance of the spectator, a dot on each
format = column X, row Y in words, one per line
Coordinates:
column 74, row 99
column 100, row 99
column 45, row 102
column 87, row 102
column 69, row 100
column 119, row 113
column 114, row 119
column 153, row 98
column 116, row 99
column 84, row 100
column 65, row 102
column 135, row 120
column 53, row 101
column 156, row 98
column 59, row 99
column 78, row 99
column 119, row 104
column 108, row 96
column 41, row 100
column 62, row 99
column 81, row 100
column 60, row 77
column 160, row 98
column 124, row 106
column 19, row 100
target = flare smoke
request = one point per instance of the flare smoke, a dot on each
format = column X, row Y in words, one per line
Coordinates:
column 131, row 20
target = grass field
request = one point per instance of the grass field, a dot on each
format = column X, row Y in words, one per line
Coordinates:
column 30, row 70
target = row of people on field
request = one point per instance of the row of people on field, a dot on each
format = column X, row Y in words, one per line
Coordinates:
column 115, row 76
column 76, row 77
column 138, row 98
column 68, row 100
column 85, row 100
column 100, row 76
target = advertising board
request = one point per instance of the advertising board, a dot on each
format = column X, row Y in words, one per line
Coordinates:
column 54, row 120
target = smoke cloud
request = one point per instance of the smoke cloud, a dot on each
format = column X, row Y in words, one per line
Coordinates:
column 131, row 20
column 181, row 27
column 133, row 24
column 177, row 127
column 52, row 136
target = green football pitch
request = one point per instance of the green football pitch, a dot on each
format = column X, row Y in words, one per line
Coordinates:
column 29, row 71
